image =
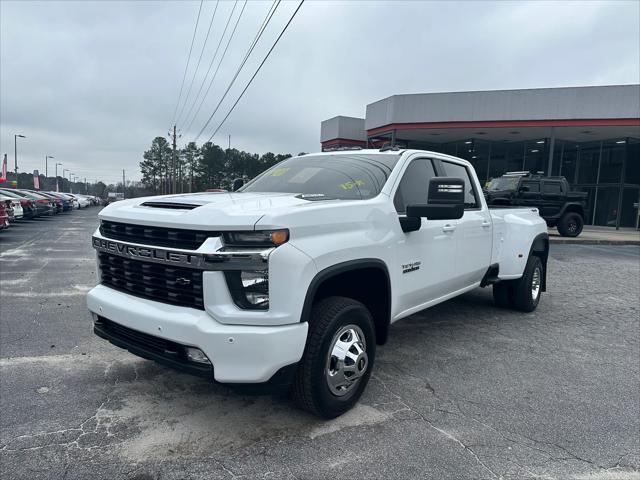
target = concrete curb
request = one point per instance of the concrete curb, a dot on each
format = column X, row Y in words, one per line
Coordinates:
column 577, row 241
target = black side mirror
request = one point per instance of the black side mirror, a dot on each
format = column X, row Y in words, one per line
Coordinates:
column 446, row 191
column 445, row 201
column 237, row 184
column 524, row 188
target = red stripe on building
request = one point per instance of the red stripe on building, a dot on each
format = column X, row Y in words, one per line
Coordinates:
column 506, row 124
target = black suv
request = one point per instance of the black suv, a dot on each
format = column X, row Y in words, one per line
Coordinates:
column 558, row 205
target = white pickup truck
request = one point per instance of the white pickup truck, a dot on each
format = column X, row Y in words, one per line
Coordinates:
column 295, row 278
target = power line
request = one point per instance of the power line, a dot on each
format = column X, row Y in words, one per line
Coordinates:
column 255, row 74
column 186, row 67
column 204, row 80
column 195, row 73
column 265, row 22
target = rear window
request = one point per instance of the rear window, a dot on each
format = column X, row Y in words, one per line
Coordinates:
column 551, row 187
column 533, row 187
column 345, row 177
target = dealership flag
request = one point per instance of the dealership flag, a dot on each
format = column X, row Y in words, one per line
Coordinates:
column 36, row 180
column 3, row 178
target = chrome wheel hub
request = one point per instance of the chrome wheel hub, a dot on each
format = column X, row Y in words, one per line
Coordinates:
column 535, row 283
column 347, row 360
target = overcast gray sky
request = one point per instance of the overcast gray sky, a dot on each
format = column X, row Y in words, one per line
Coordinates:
column 92, row 83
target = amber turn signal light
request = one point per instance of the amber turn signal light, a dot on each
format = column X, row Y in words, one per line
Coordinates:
column 278, row 237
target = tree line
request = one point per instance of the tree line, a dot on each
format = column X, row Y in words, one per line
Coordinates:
column 200, row 168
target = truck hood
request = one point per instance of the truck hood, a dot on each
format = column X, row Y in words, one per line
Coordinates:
column 205, row 211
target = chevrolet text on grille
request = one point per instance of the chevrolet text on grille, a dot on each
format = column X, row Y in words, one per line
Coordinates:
column 223, row 259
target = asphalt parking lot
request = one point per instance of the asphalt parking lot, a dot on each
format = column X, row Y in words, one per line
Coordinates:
column 462, row 391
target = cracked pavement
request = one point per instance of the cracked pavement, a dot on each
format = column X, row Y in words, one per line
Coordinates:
column 461, row 391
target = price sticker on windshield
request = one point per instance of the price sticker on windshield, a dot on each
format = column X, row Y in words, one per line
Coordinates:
column 350, row 185
column 278, row 172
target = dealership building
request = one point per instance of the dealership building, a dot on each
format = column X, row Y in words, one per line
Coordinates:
column 590, row 135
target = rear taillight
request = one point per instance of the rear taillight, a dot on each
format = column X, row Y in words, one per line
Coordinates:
column 24, row 202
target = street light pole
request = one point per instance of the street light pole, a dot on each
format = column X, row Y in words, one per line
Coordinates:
column 46, row 165
column 57, row 189
column 15, row 153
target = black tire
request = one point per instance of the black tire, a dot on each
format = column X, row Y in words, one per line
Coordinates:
column 311, row 389
column 570, row 225
column 524, row 298
column 503, row 294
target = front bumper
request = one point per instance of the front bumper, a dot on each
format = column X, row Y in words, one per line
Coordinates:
column 239, row 353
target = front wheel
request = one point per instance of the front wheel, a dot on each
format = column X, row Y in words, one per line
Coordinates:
column 338, row 357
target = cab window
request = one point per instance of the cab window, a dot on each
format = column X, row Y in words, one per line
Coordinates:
column 414, row 186
column 460, row 171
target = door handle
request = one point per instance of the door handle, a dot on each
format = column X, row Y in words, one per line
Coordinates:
column 486, row 224
column 448, row 228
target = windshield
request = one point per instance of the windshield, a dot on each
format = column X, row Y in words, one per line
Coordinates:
column 503, row 183
column 35, row 195
column 9, row 194
column 345, row 177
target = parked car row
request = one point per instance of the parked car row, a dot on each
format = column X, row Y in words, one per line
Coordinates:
column 19, row 204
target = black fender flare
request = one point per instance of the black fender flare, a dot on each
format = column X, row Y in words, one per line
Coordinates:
column 566, row 206
column 339, row 268
column 540, row 243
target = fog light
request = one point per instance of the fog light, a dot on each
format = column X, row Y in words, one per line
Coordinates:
column 256, row 288
column 249, row 289
column 196, row 355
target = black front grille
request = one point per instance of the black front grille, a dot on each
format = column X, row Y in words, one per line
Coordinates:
column 149, row 346
column 150, row 342
column 177, row 286
column 156, row 236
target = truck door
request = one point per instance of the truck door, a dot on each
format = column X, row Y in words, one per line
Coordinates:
column 529, row 193
column 425, row 258
column 474, row 239
column 552, row 198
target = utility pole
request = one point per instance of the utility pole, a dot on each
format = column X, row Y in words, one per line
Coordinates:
column 123, row 183
column 229, row 141
column 173, row 163
column 57, row 186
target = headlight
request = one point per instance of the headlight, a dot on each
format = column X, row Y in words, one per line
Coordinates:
column 249, row 289
column 265, row 238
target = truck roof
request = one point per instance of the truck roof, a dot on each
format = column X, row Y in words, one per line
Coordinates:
column 383, row 151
